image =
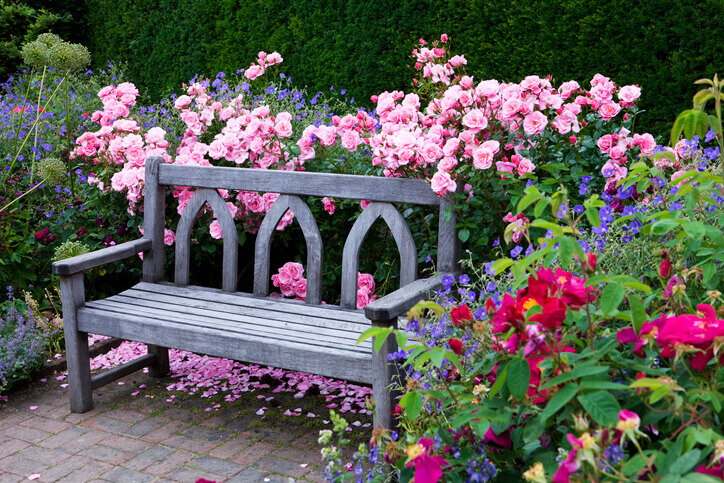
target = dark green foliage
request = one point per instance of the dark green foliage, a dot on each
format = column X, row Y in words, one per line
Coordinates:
column 20, row 23
column 364, row 46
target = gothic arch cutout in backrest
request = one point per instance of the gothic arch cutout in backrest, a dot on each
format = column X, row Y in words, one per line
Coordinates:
column 262, row 255
column 228, row 230
column 350, row 257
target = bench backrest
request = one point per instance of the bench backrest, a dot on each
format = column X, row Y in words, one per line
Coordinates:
column 290, row 185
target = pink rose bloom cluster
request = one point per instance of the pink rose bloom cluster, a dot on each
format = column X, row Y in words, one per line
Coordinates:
column 290, row 280
column 698, row 336
column 460, row 125
column 517, row 226
column 120, row 141
column 291, row 283
column 263, row 61
column 348, row 130
column 365, row 288
column 248, row 138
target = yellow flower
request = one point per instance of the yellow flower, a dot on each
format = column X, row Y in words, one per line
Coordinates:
column 535, row 473
column 415, row 450
column 480, row 389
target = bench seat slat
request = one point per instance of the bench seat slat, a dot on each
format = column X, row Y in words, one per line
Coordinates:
column 236, row 323
column 254, row 308
column 295, row 307
column 334, row 362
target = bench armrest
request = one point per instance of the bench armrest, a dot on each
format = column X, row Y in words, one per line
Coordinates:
column 78, row 264
column 403, row 299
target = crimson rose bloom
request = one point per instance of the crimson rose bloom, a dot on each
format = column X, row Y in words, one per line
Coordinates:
column 461, row 316
column 456, row 345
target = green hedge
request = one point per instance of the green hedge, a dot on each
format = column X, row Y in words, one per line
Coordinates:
column 364, row 46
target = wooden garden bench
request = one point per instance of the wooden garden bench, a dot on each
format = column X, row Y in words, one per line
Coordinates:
column 254, row 328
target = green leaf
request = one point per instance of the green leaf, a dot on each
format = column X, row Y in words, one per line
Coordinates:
column 663, row 227
column 603, row 385
column 532, row 194
column 695, row 229
column 413, row 405
column 501, row 264
column 381, row 337
column 559, row 400
column 481, row 427
column 463, row 419
column 634, row 465
column 597, row 279
column 436, row 356
column 498, row 382
column 685, row 463
column 401, row 339
column 601, row 406
column 699, row 478
column 611, row 298
column 547, row 225
column 593, row 217
column 565, row 247
column 464, row 235
column 371, row 332
column 518, row 378
column 578, row 371
column 630, row 282
column 638, row 312
column 540, row 207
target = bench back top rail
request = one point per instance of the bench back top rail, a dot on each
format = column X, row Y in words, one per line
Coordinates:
column 290, row 185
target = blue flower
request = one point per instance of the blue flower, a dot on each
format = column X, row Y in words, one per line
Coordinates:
column 585, row 178
column 464, row 279
column 515, row 252
column 578, row 209
column 583, row 189
column 709, row 136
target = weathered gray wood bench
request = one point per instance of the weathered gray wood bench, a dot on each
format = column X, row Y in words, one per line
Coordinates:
column 254, row 328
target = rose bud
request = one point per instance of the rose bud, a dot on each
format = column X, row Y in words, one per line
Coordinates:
column 456, row 345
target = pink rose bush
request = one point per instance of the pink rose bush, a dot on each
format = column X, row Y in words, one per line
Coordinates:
column 291, row 283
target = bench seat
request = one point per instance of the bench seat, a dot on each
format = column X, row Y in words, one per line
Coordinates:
column 276, row 332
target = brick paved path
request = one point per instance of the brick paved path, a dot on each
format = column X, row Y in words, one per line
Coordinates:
column 139, row 439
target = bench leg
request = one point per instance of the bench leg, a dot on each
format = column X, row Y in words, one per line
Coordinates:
column 161, row 367
column 384, row 374
column 76, row 344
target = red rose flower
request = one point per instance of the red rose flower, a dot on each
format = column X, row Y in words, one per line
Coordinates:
column 456, row 345
column 461, row 316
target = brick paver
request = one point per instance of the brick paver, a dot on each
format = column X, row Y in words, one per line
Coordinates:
column 146, row 439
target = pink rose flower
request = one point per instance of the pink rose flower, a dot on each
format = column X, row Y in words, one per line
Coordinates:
column 300, row 288
column 168, row 236
column 629, row 94
column 215, row 230
column 253, row 72
column 296, row 270
column 442, row 183
column 328, row 205
column 609, row 110
column 534, row 123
